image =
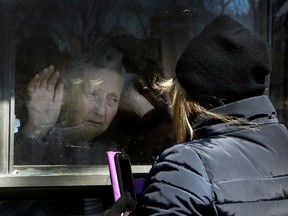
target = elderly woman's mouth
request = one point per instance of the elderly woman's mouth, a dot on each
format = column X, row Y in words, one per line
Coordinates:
column 94, row 122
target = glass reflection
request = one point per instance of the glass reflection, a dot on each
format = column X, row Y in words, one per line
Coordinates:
column 150, row 36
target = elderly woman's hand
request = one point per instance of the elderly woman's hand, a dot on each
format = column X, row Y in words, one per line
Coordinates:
column 132, row 100
column 45, row 102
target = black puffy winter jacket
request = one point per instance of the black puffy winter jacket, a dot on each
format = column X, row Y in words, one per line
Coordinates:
column 227, row 170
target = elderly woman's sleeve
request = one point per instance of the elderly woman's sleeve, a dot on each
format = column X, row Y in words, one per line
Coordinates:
column 177, row 185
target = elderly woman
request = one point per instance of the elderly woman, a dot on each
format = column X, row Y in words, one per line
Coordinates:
column 75, row 122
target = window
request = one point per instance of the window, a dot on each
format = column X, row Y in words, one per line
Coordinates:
column 150, row 35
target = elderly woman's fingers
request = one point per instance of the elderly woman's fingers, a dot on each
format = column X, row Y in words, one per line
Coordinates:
column 59, row 94
column 32, row 84
column 38, row 81
column 44, row 76
column 51, row 82
column 45, row 80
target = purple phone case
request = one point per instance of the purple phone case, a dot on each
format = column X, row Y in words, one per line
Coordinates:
column 113, row 174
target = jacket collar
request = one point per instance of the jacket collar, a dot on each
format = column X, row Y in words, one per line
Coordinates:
column 254, row 109
column 248, row 108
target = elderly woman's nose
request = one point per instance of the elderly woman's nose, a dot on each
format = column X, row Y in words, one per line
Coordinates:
column 100, row 106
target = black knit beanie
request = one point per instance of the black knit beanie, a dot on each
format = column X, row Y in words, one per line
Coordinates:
column 224, row 63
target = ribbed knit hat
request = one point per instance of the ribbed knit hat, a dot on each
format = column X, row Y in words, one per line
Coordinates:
column 226, row 62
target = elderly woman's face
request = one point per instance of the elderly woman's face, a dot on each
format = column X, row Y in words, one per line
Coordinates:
column 98, row 103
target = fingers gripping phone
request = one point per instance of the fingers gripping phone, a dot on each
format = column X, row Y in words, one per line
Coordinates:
column 121, row 174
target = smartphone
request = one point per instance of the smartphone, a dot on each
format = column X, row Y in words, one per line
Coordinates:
column 121, row 174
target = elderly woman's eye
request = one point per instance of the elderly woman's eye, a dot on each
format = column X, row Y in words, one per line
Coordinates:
column 93, row 94
column 112, row 100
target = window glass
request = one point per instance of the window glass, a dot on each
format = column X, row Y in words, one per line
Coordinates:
column 84, row 72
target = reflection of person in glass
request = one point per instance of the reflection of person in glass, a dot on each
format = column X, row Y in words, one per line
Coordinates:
column 94, row 84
